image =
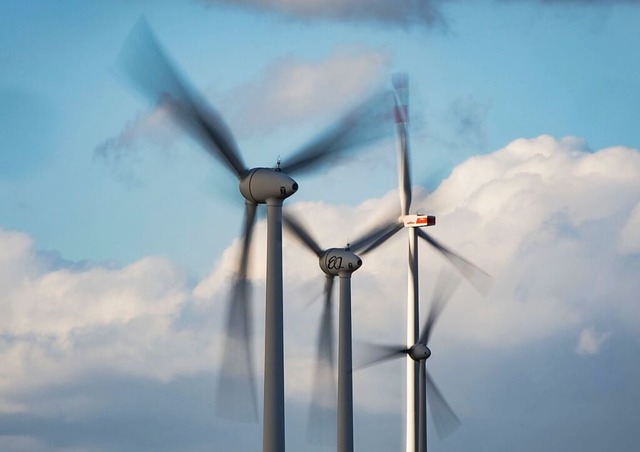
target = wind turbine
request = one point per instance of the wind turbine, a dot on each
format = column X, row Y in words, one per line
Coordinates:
column 341, row 262
column 413, row 223
column 445, row 419
column 153, row 74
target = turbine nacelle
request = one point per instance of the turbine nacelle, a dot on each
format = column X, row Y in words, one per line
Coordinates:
column 419, row 352
column 338, row 261
column 418, row 220
column 262, row 184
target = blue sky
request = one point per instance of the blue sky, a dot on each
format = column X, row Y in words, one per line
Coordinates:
column 118, row 233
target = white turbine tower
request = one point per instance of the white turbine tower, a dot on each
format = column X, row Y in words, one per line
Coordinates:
column 444, row 418
column 413, row 223
column 153, row 74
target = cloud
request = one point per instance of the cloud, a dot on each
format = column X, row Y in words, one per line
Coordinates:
column 59, row 323
column 291, row 90
column 122, row 152
column 428, row 14
column 403, row 14
column 590, row 341
column 545, row 216
column 629, row 242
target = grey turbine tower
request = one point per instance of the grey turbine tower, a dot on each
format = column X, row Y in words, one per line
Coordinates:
column 341, row 262
column 152, row 73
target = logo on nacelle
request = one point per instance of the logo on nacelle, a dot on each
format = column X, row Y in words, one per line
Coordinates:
column 335, row 263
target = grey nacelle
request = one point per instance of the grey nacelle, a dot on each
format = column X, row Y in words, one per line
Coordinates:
column 261, row 184
column 336, row 261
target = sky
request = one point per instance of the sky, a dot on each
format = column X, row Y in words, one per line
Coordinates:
column 119, row 234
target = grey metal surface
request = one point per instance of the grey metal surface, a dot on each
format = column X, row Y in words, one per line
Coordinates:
column 273, row 421
column 345, row 378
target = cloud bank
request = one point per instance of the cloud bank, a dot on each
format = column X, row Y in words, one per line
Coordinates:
column 551, row 220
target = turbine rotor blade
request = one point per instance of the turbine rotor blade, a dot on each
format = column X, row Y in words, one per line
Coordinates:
column 363, row 124
column 322, row 415
column 295, row 226
column 445, row 286
column 236, row 395
column 400, row 83
column 475, row 275
column 384, row 233
column 375, row 237
column 379, row 353
column 236, row 392
column 444, row 418
column 247, row 235
column 152, row 73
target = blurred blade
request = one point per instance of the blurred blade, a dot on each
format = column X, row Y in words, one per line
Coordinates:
column 151, row 72
column 236, row 392
column 385, row 232
column 371, row 354
column 295, row 226
column 367, row 122
column 444, row 419
column 445, row 286
column 322, row 416
column 247, row 234
column 476, row 276
column 236, row 396
column 401, row 86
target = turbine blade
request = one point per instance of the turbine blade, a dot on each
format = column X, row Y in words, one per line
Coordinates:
column 375, row 237
column 247, row 235
column 372, row 354
column 294, row 224
column 400, row 83
column 236, row 396
column 322, row 415
column 445, row 286
column 364, row 124
column 152, row 73
column 475, row 275
column 444, row 418
column 384, row 234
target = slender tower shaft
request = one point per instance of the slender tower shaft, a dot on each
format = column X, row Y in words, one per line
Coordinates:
column 273, row 419
column 413, row 326
column 422, row 409
column 345, row 380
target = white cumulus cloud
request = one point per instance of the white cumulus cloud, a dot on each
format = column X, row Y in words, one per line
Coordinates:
column 544, row 216
column 292, row 90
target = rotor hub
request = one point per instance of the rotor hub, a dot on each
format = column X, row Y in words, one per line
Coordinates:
column 419, row 352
